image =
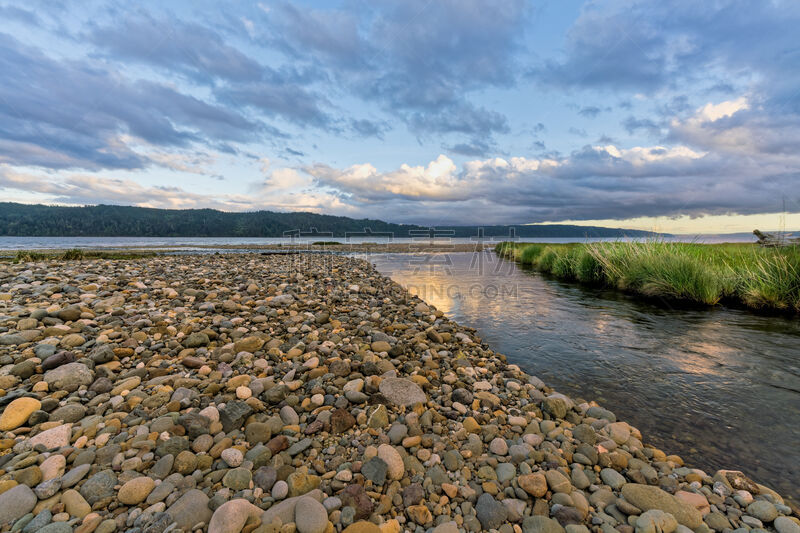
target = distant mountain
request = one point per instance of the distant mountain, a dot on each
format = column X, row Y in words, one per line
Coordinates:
column 23, row 220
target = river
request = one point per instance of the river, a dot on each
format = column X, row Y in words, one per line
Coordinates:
column 720, row 387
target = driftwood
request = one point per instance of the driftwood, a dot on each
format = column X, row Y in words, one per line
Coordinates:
column 771, row 240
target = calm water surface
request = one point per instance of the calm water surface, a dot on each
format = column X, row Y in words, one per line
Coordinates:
column 720, row 387
column 196, row 243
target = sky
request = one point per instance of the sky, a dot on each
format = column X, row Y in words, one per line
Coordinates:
column 680, row 116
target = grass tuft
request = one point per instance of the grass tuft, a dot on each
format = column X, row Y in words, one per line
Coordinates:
column 764, row 278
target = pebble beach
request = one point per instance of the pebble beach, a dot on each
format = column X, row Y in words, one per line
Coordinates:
column 308, row 393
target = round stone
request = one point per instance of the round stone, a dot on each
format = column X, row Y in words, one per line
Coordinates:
column 393, row 460
column 280, row 490
column 15, row 503
column 230, row 517
column 232, row 457
column 53, row 467
column 237, row 479
column 763, row 510
column 17, row 413
column 310, row 516
column 401, row 391
column 69, row 377
column 498, row 446
column 136, row 490
column 785, row 524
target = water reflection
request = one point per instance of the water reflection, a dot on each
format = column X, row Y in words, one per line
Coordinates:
column 721, row 387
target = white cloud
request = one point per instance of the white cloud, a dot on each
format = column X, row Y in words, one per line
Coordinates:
column 713, row 112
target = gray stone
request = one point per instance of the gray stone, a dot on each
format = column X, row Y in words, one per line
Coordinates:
column 56, row 527
column 102, row 354
column 47, row 488
column 237, row 479
column 541, row 524
column 289, row 416
column 74, row 475
column 196, row 339
column 190, row 509
column 763, row 510
column 310, row 516
column 15, row 503
column 656, row 521
column 786, row 525
column 233, row 415
column 12, row 339
column 265, row 478
column 505, row 472
column 38, row 522
column 585, row 433
column 99, row 486
column 491, row 513
column 285, row 510
column 299, row 446
column 375, row 470
column 397, row 433
column 647, row 497
column 72, row 412
column 401, row 391
column 612, row 478
column 69, row 377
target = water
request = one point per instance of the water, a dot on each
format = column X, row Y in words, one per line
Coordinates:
column 719, row 387
column 197, row 243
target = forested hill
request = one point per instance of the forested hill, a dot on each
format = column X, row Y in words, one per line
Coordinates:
column 127, row 221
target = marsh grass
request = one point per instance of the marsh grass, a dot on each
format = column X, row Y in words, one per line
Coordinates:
column 764, row 278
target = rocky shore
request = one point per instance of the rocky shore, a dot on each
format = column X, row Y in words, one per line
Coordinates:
column 307, row 393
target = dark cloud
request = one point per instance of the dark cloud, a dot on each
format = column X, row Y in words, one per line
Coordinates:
column 370, row 128
column 641, row 46
column 206, row 57
column 19, row 14
column 476, row 148
column 418, row 59
column 291, row 102
column 634, row 125
column 590, row 111
column 329, row 36
column 464, row 118
column 63, row 114
column 178, row 46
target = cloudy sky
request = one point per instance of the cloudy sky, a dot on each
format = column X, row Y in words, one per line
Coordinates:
column 679, row 115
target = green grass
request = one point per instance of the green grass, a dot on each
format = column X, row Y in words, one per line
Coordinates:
column 75, row 254
column 762, row 278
